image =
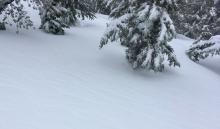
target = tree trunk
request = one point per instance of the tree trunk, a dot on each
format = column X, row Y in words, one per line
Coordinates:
column 2, row 26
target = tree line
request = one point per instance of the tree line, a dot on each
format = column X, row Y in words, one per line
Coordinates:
column 144, row 27
column 55, row 14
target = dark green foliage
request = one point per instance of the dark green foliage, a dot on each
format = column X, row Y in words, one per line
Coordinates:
column 2, row 26
column 84, row 9
column 205, row 27
column 58, row 14
column 4, row 4
column 201, row 49
column 197, row 16
column 14, row 12
column 145, row 28
column 52, row 15
column 101, row 6
column 55, row 14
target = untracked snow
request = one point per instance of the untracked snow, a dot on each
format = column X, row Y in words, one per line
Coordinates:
column 67, row 82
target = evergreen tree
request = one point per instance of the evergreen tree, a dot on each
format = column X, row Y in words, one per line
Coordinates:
column 216, row 25
column 52, row 15
column 77, row 9
column 55, row 14
column 202, row 49
column 71, row 14
column 59, row 14
column 13, row 12
column 84, row 9
column 100, row 6
column 208, row 43
column 145, row 28
column 195, row 17
column 4, row 3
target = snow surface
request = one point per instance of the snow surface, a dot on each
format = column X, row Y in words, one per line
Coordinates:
column 66, row 82
column 212, row 64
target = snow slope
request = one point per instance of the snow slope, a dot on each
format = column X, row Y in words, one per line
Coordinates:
column 66, row 82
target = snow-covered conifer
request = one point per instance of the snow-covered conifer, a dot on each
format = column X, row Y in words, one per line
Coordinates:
column 55, row 14
column 209, row 40
column 4, row 4
column 13, row 12
column 100, row 6
column 84, row 9
column 52, row 14
column 195, row 17
column 202, row 49
column 58, row 14
column 77, row 9
column 145, row 28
